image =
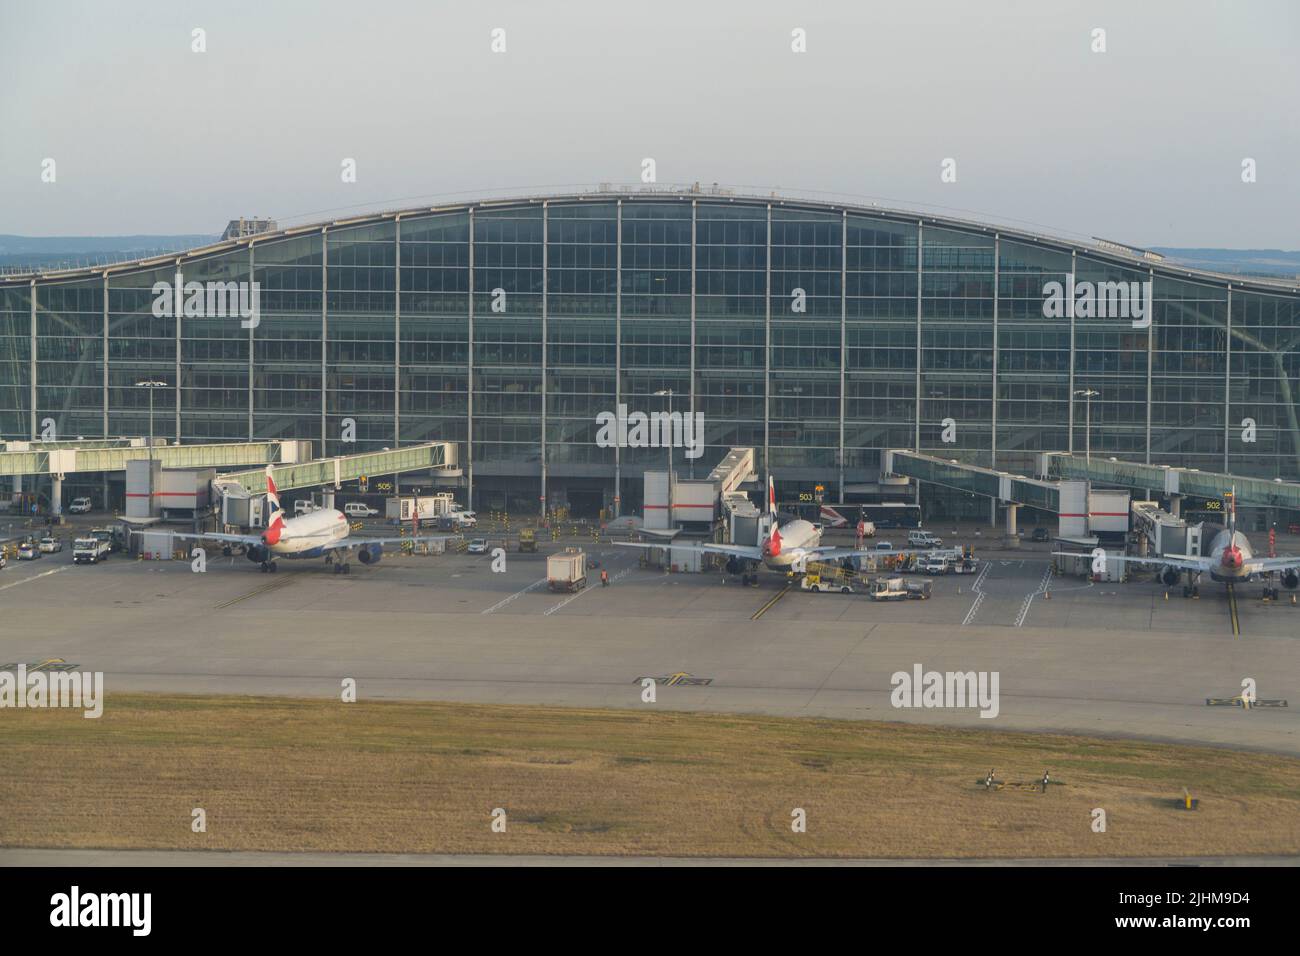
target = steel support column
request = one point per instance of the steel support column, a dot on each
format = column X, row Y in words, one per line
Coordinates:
column 469, row 376
column 545, row 232
column 844, row 279
column 1151, row 329
column 397, row 333
column 1227, row 380
column 1069, row 305
column 767, row 349
column 993, row 412
column 324, row 336
column 176, row 388
column 32, row 358
column 694, row 213
column 618, row 351
column 920, row 254
column 104, row 360
column 252, row 344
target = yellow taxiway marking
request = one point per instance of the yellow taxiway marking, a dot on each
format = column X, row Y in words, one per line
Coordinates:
column 770, row 604
column 270, row 586
column 1232, row 610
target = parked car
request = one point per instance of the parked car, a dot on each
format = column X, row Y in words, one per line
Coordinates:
column 49, row 545
column 79, row 506
column 359, row 509
column 27, row 551
column 923, row 539
column 478, row 546
column 1040, row 534
column 884, row 546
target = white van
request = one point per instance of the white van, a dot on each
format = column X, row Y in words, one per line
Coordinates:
column 359, row 509
column 923, row 539
column 303, row 505
column 79, row 506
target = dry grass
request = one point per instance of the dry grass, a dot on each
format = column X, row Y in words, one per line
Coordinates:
column 279, row 774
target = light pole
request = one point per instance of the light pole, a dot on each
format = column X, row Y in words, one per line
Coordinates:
column 669, row 393
column 150, row 384
column 1088, row 395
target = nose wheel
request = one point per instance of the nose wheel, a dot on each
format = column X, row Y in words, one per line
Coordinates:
column 268, row 566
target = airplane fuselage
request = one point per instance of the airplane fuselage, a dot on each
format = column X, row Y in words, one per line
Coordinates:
column 307, row 535
column 1230, row 552
column 794, row 541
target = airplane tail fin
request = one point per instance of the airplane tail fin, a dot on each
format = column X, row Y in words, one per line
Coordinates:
column 273, row 500
column 275, row 520
column 771, row 497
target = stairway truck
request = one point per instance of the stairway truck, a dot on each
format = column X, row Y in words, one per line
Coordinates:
column 566, row 571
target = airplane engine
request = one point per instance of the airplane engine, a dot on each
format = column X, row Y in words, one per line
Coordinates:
column 1291, row 579
column 1170, row 576
column 370, row 553
column 257, row 554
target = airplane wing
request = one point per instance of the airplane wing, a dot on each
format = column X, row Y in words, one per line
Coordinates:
column 1184, row 561
column 835, row 554
column 749, row 552
column 249, row 539
column 1262, row 565
column 349, row 542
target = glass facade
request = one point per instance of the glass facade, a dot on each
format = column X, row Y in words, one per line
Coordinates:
column 819, row 334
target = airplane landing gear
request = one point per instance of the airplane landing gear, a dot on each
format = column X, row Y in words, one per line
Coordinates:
column 268, row 566
column 342, row 569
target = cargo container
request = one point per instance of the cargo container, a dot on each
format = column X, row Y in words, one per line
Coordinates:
column 566, row 571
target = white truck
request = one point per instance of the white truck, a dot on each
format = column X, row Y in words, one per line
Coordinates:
column 566, row 571
column 90, row 550
column 899, row 589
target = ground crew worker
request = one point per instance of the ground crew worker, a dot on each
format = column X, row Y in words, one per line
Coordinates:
column 988, row 781
column 1045, row 779
column 604, row 578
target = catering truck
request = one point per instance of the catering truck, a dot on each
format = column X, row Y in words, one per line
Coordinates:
column 90, row 550
column 566, row 571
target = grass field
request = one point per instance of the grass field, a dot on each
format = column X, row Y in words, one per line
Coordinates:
column 282, row 774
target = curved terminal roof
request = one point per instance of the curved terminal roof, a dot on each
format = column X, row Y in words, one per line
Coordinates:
column 1101, row 250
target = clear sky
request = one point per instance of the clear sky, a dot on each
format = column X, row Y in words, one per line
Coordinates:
column 1142, row 143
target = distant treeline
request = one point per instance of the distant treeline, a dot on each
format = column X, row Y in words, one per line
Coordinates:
column 52, row 252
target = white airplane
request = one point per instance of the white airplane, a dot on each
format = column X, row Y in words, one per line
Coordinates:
column 320, row 533
column 1230, row 560
column 788, row 547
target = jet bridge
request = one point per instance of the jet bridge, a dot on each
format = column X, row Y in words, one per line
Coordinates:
column 1012, row 490
column 1171, row 481
column 333, row 472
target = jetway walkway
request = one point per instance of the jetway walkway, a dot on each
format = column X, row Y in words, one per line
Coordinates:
column 62, row 458
column 335, row 471
column 1171, row 481
column 999, row 485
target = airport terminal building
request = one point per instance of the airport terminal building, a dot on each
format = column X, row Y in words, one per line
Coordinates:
column 819, row 333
